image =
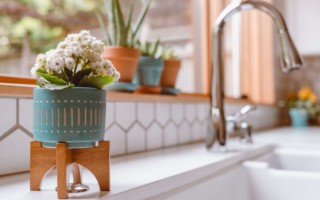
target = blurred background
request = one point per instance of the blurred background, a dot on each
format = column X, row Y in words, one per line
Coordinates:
column 29, row 27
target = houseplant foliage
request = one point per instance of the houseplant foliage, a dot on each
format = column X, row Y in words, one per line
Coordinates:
column 150, row 67
column 122, row 36
column 121, row 32
column 70, row 106
column 302, row 106
column 75, row 62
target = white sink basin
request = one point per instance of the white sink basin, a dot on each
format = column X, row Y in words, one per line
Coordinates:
column 284, row 173
column 307, row 160
column 281, row 174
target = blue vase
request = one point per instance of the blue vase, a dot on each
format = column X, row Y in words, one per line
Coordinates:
column 149, row 71
column 299, row 117
column 75, row 116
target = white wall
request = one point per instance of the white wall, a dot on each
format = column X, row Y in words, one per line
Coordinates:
column 303, row 20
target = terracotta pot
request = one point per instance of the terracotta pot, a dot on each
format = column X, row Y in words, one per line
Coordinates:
column 170, row 72
column 124, row 59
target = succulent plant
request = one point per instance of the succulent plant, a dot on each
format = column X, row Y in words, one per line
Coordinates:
column 167, row 53
column 152, row 49
column 121, row 32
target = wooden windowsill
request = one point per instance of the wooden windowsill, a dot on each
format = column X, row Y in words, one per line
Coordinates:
column 11, row 86
column 26, row 90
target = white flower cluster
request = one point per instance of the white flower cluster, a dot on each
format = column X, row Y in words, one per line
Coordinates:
column 74, row 53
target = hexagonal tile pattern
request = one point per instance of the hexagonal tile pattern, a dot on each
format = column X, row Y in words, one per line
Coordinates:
column 14, row 156
column 110, row 114
column 184, row 134
column 154, row 137
column 125, row 114
column 136, row 139
column 170, row 135
column 190, row 112
column 203, row 111
column 197, row 132
column 8, row 114
column 162, row 113
column 26, row 113
column 117, row 138
column 146, row 113
column 177, row 112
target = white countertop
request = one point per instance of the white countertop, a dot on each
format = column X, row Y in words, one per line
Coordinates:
column 144, row 175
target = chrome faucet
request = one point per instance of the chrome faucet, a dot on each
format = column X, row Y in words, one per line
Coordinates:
column 290, row 60
column 240, row 126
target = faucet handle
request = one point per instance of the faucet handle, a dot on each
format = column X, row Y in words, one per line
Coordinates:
column 244, row 111
column 246, row 133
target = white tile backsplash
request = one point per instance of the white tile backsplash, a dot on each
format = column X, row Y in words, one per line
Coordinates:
column 197, row 132
column 190, row 112
column 146, row 113
column 25, row 113
column 154, row 136
column 15, row 150
column 184, row 133
column 177, row 113
column 125, row 114
column 110, row 110
column 117, row 138
column 130, row 126
column 136, row 139
column 170, row 135
column 162, row 113
column 8, row 116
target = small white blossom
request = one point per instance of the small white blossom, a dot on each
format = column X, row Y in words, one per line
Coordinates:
column 56, row 64
column 76, row 50
column 41, row 59
column 70, row 63
column 34, row 72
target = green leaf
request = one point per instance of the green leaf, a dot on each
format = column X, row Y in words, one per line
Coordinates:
column 47, row 85
column 141, row 19
column 53, row 79
column 128, row 27
column 80, row 74
column 41, row 71
column 103, row 27
column 97, row 81
column 115, row 24
column 121, row 24
column 155, row 48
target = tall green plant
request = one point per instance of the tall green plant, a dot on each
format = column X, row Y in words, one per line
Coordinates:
column 122, row 33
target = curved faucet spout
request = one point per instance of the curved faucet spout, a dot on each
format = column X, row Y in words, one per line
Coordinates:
column 290, row 60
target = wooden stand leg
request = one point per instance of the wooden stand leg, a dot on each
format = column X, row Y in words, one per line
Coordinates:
column 61, row 163
column 42, row 160
column 96, row 160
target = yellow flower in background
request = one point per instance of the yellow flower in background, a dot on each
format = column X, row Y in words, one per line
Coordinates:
column 305, row 93
column 313, row 98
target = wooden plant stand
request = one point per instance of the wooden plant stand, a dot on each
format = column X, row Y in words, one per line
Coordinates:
column 42, row 160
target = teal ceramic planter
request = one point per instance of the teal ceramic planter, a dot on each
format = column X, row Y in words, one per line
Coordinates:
column 299, row 117
column 75, row 116
column 149, row 71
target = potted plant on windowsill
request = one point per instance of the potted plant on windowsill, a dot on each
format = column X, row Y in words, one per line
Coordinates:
column 121, row 38
column 150, row 68
column 70, row 104
column 302, row 107
column 170, row 72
